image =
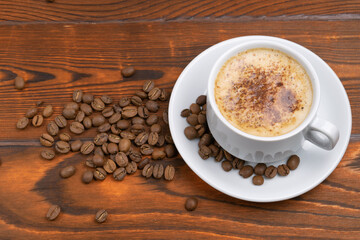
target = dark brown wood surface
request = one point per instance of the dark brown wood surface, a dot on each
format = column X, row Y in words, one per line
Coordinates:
column 60, row 46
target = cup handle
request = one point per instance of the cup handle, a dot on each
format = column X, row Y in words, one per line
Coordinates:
column 322, row 133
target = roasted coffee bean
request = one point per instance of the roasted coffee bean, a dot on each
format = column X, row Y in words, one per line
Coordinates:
column 60, row 121
column 293, row 162
column 204, row 152
column 154, row 93
column 141, row 94
column 72, row 105
column 128, row 71
column 104, row 148
column 121, row 159
column 185, row 113
column 115, row 118
column 190, row 132
column 206, row 140
column 153, row 138
column 117, row 108
column 112, row 148
column 87, row 147
column 67, row 172
column 192, row 119
column 214, row 150
column 115, row 130
column 168, row 139
column 31, row 112
column 114, row 138
column 87, row 122
column 48, row 111
column 100, row 139
column 258, row 180
column 106, row 99
column 156, row 128
column 80, row 116
column 170, row 150
column 101, row 216
column 52, row 128
column 227, row 155
column 65, row 137
column 260, row 169
column 131, row 168
column 147, row 170
column 100, row 174
column 123, row 124
column 69, row 113
column 158, row 154
column 86, row 109
column 163, row 95
column 19, row 83
column 137, row 120
column 87, row 98
column 104, row 127
column 62, row 147
column 143, row 112
column 77, row 95
column 148, row 86
column 203, row 109
column 76, row 145
column 283, row 170
column 141, row 138
column 226, row 165
column 77, row 128
column 201, row 118
column 22, row 123
column 135, row 156
column 99, row 151
column 89, row 162
column 119, row 174
column 246, row 171
column 98, row 160
column 109, row 166
column 129, row 112
column 87, row 176
column 143, row 163
column 48, row 154
column 194, row 108
column 158, row 171
column 152, row 106
column 191, row 204
column 108, row 112
column 97, row 104
column 220, row 155
column 127, row 135
column 165, row 117
column 201, row 100
column 200, row 130
column 146, row 149
column 152, row 119
column 161, row 140
column 124, row 101
column 137, row 101
column 237, row 163
column 98, row 120
column 53, row 212
column 137, row 129
column 169, row 172
column 124, row 145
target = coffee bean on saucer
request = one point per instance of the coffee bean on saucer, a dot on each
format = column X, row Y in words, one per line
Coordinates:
column 67, row 171
column 48, row 154
column 258, row 180
column 77, row 128
column 185, row 113
column 22, row 123
column 293, row 162
column 76, row 145
column 87, row 176
column 237, row 163
column 60, row 121
column 128, row 71
column 106, row 99
column 220, row 156
column 69, row 113
column 86, row 109
column 101, row 216
column 214, row 150
column 152, row 106
column 169, row 172
column 148, row 86
column 201, row 118
column 77, row 95
column 53, row 212
column 97, row 104
column 226, row 165
column 65, row 137
column 204, row 152
column 119, row 174
column 147, row 171
column 87, row 98
column 270, row 171
column 194, row 108
column 19, row 83
column 154, row 93
column 46, row 140
column 260, row 169
column 191, row 204
column 87, row 147
column 246, row 171
column 227, row 155
column 31, row 112
column 190, row 132
column 192, row 119
column 207, row 139
column 283, row 170
column 48, row 111
column 100, row 174
column 200, row 129
column 158, row 171
column 201, row 100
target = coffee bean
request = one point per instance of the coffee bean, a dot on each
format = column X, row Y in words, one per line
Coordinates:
column 124, row 145
column 69, row 113
column 123, row 124
column 135, row 155
column 220, row 156
column 22, row 123
column 31, row 112
column 121, row 159
column 87, row 176
column 158, row 154
column 141, row 94
column 72, row 105
column 109, row 166
column 48, row 111
column 89, row 162
column 97, row 104
column 115, row 130
column 185, row 113
column 117, row 108
column 152, row 119
column 168, row 139
column 101, row 216
column 62, row 147
column 190, row 132
column 201, row 100
column 200, row 130
column 128, row 71
column 87, row 122
column 283, row 170
column 46, row 140
column 270, row 171
column 131, row 168
column 98, row 160
column 129, row 112
column 143, row 163
column 19, row 83
column 137, row 120
column 165, row 117
column 153, row 138
column 104, row 127
column 141, row 138
column 114, row 118
column 158, row 171
column 258, row 180
column 191, row 204
column 99, row 151
column 201, row 118
column 143, row 112
column 76, row 145
column 77, row 95
column 137, row 101
column 204, row 152
column 77, row 128
column 156, row 128
column 112, row 148
column 48, row 154
column 98, row 120
column 52, row 128
column 161, row 140
column 238, row 163
column 170, row 150
column 293, row 162
column 203, row 109
column 104, row 148
column 87, row 147
column 60, row 121
column 207, row 139
column 192, row 119
column 67, row 172
column 246, row 171
column 100, row 174
column 65, row 137
column 163, row 95
column 148, row 86
column 124, row 101
column 154, row 93
column 86, row 109
column 152, row 106
column 137, row 129
column 169, row 172
column 80, row 116
column 106, row 99
column 226, row 165
column 146, row 149
column 87, row 98
column 260, row 169
column 214, row 150
column 114, row 138
column 119, row 174
column 147, row 170
column 53, row 212
column 194, row 108
column 127, row 135
column 108, row 112
column 100, row 139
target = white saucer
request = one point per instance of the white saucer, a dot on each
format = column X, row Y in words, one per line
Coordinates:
column 316, row 164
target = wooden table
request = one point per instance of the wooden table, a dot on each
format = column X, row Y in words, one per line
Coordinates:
column 83, row 44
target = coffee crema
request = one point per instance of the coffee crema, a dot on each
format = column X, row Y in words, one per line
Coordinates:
column 263, row 92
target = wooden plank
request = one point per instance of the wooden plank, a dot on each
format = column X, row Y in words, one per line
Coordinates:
column 160, row 10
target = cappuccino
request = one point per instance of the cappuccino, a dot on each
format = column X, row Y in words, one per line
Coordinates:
column 263, row 92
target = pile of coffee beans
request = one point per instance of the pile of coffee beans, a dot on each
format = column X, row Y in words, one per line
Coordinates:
column 208, row 147
column 35, row 116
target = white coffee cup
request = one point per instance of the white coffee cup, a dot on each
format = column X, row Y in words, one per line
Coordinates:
column 269, row 149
